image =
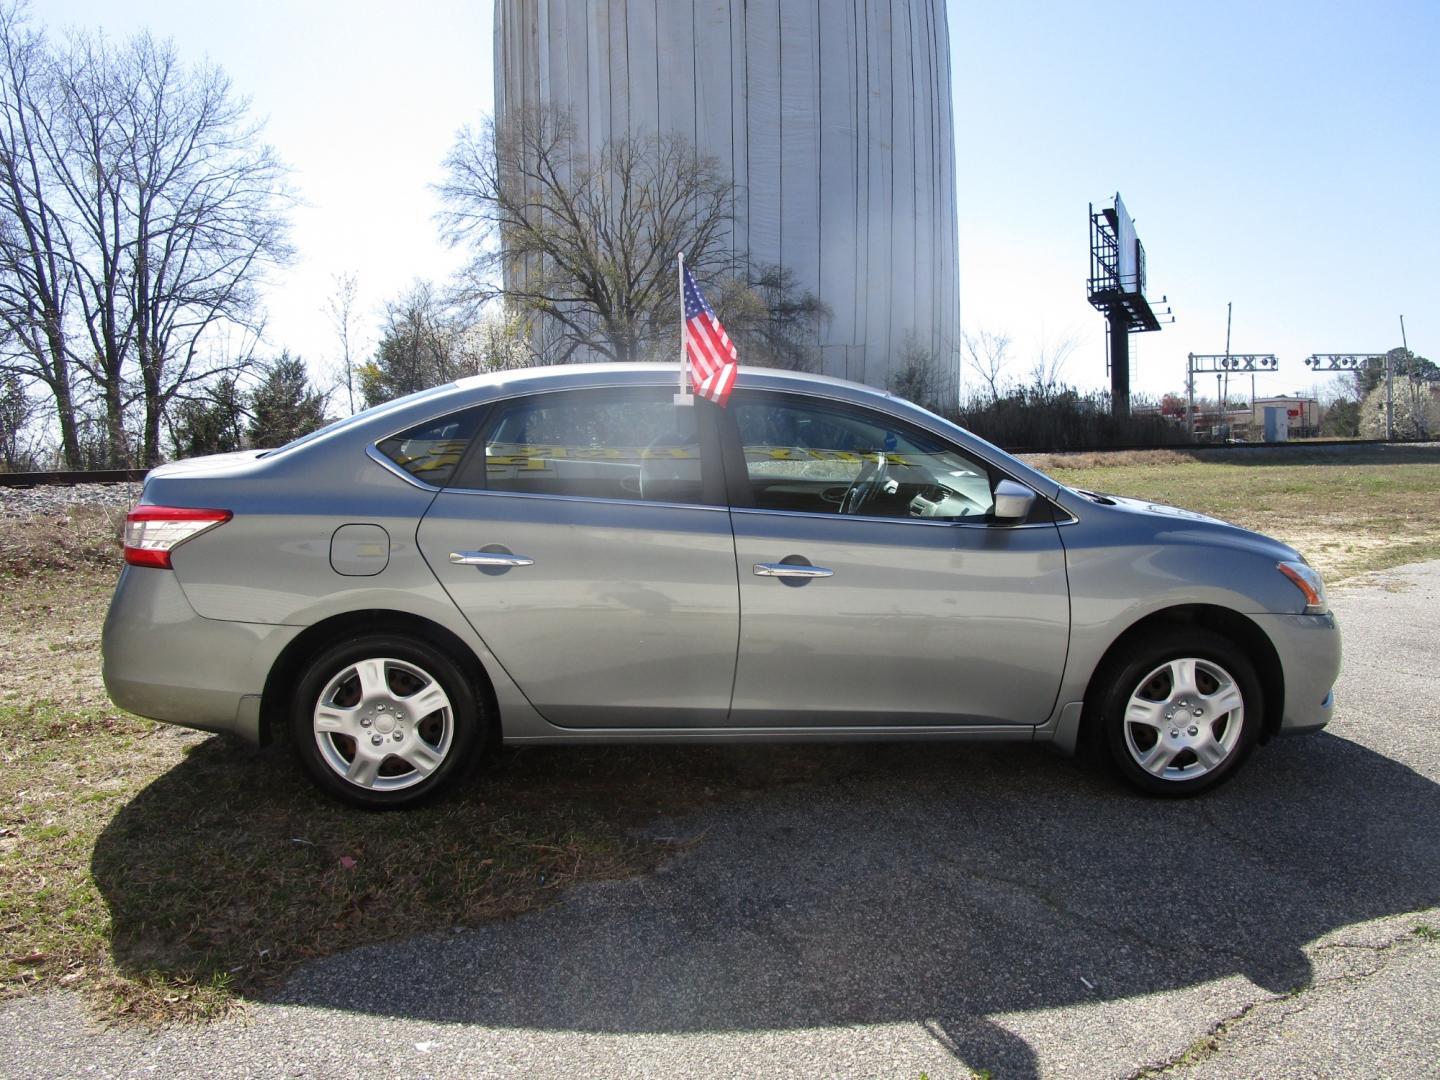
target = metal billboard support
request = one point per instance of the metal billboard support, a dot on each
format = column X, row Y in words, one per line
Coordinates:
column 1116, row 288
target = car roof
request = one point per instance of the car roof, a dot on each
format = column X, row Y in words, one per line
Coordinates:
column 533, row 378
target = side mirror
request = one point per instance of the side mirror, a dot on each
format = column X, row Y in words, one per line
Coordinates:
column 1012, row 502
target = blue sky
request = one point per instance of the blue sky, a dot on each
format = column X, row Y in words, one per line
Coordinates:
column 1281, row 155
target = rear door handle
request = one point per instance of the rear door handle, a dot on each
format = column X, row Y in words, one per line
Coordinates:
column 791, row 570
column 489, row 558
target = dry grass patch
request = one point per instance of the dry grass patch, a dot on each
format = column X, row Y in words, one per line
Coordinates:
column 56, row 575
column 1348, row 509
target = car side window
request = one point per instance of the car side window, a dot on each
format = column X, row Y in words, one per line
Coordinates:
column 828, row 458
column 431, row 451
column 598, row 444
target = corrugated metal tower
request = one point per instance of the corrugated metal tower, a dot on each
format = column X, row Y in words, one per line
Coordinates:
column 832, row 116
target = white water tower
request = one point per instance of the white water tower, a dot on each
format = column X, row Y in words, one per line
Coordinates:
column 834, row 119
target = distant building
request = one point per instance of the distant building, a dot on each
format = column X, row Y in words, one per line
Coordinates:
column 834, row 121
column 1302, row 415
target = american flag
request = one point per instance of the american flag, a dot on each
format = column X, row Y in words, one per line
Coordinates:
column 713, row 360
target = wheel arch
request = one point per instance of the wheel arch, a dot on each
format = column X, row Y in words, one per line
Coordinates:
column 1224, row 621
column 289, row 666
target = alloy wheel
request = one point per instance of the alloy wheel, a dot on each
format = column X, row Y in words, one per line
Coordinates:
column 383, row 724
column 1184, row 719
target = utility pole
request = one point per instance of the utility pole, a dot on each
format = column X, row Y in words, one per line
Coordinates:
column 1190, row 396
column 1224, row 404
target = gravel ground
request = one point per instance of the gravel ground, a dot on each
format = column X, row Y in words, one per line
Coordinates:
column 57, row 498
column 959, row 910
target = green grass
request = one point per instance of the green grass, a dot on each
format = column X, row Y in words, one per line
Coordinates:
column 168, row 875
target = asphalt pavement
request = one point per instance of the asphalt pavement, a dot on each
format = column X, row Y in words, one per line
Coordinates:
column 942, row 910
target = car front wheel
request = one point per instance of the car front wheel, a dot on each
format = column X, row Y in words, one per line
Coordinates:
column 1181, row 712
column 385, row 721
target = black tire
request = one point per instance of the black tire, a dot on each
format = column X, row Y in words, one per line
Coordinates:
column 386, row 748
column 1177, row 743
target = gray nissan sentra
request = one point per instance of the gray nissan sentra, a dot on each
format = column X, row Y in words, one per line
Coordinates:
column 568, row 556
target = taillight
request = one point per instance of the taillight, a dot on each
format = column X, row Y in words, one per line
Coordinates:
column 153, row 532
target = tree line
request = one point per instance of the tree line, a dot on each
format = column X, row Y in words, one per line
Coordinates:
column 141, row 212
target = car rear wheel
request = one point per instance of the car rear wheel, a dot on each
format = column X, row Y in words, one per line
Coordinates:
column 386, row 721
column 1181, row 712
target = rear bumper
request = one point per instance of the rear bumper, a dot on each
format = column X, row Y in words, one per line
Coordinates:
column 1309, row 650
column 163, row 661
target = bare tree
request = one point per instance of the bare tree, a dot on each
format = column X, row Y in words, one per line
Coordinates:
column 428, row 340
column 586, row 246
column 417, row 347
column 987, row 355
column 1048, row 365
column 155, row 208
column 917, row 375
column 772, row 322
column 340, row 307
column 36, row 281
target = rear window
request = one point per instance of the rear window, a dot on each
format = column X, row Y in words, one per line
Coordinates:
column 363, row 416
column 430, row 451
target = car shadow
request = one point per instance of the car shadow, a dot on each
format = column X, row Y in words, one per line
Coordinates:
column 825, row 886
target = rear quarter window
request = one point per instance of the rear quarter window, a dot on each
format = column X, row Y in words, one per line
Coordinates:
column 431, row 451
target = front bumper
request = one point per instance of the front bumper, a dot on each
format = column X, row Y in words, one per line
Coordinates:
column 164, row 661
column 1309, row 650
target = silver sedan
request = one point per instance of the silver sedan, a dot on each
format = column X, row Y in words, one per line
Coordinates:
column 571, row 556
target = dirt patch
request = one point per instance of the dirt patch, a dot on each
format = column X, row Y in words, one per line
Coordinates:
column 1095, row 459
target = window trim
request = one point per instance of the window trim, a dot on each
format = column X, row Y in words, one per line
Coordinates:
column 742, row 496
column 375, row 454
column 372, row 451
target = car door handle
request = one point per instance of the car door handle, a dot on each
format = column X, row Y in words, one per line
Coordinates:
column 791, row 570
column 489, row 558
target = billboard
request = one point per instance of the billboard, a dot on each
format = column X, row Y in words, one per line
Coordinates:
column 1131, row 263
column 1117, row 268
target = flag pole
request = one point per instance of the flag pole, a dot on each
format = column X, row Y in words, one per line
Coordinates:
column 684, row 397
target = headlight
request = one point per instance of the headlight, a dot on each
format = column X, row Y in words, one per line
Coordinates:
column 1303, row 576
